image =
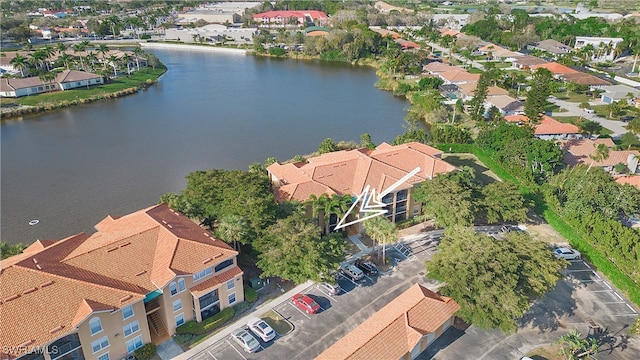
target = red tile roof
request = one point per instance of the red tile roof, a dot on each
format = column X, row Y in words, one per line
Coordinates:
column 349, row 172
column 395, row 329
column 633, row 180
column 314, row 14
column 577, row 151
column 459, row 75
column 547, row 125
column 128, row 257
column 555, row 68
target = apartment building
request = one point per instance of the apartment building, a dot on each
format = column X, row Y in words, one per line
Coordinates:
column 101, row 296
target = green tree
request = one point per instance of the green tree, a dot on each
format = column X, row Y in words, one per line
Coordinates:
column 326, row 146
column 365, row 141
column 232, row 229
column 615, row 109
column 382, row 231
column 590, row 127
column 634, row 126
column 575, row 347
column 293, row 249
column 502, row 201
column 479, row 96
column 602, row 153
column 324, row 208
column 629, row 140
column 537, row 96
column 493, row 280
column 448, row 198
column 8, row 250
column 19, row 62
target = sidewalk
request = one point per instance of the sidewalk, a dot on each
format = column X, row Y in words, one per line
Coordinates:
column 229, row 328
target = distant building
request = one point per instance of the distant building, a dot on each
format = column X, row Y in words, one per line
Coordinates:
column 505, row 104
column 618, row 92
column 283, row 17
column 551, row 46
column 66, row 80
column 604, row 46
column 548, row 128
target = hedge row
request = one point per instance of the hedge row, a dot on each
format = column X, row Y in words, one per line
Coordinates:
column 196, row 328
column 146, row 352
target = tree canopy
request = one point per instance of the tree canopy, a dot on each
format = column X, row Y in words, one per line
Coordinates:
column 492, row 279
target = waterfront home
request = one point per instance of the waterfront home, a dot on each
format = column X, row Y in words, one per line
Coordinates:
column 548, row 128
column 66, row 80
column 285, row 17
column 436, row 67
column 467, row 91
column 402, row 329
column 458, row 76
column 583, row 151
column 505, row 104
column 101, row 296
column 349, row 172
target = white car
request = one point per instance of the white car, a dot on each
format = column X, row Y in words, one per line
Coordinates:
column 246, row 340
column 567, row 253
column 261, row 328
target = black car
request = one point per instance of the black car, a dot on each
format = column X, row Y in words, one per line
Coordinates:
column 627, row 118
column 368, row 267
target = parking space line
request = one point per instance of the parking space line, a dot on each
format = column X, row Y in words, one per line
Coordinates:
column 234, row 348
column 326, row 293
column 631, row 308
column 367, row 276
column 210, row 354
column 614, row 302
column 301, row 312
column 596, row 274
column 572, row 271
column 633, row 314
column 618, row 296
column 598, row 291
column 348, row 278
column 585, row 264
column 607, row 285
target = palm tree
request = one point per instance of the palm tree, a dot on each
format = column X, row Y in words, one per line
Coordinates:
column 113, row 60
column 138, row 52
column 92, row 59
column 48, row 51
column 574, row 347
column 37, row 58
column 61, row 47
column 78, row 48
column 65, row 58
column 326, row 206
column 19, row 62
column 126, row 58
column 231, row 228
column 382, row 231
column 602, row 153
column 103, row 50
column 47, row 77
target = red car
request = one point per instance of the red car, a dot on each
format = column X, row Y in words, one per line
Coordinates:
column 305, row 303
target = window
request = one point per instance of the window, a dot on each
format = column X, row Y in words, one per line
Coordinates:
column 173, row 288
column 181, row 285
column 232, row 298
column 200, row 274
column 95, row 325
column 134, row 344
column 104, row 356
column 223, row 265
column 100, row 344
column 179, row 319
column 177, row 305
column 231, row 284
column 127, row 312
column 130, row 328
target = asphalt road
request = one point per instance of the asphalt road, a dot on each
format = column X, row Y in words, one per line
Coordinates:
column 573, row 109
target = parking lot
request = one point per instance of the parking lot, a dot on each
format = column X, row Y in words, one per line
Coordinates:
column 582, row 300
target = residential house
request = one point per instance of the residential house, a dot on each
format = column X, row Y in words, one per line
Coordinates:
column 467, row 91
column 619, row 92
column 349, row 172
column 555, row 68
column 68, row 79
column 386, row 32
column 498, row 53
column 402, row 329
column 505, row 104
column 436, row 67
column 525, row 62
column 458, row 76
column 581, row 78
column 633, row 180
column 451, row 32
column 102, row 296
column 582, row 151
column 452, row 22
column 406, row 44
column 7, row 66
column 548, row 128
column 605, row 47
column 551, row 46
column 283, row 17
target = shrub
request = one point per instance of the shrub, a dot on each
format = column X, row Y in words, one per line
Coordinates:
column 197, row 328
column 241, row 307
column 146, row 352
column 250, row 295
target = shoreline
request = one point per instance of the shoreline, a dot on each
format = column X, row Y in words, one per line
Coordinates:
column 182, row 46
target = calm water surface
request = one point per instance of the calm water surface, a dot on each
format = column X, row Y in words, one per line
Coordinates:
column 72, row 168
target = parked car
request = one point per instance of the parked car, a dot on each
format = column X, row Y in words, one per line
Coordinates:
column 333, row 289
column 261, row 328
column 246, row 340
column 627, row 118
column 353, row 272
column 589, row 111
column 305, row 303
column 368, row 267
column 567, row 253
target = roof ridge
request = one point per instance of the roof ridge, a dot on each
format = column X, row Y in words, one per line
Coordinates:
column 66, row 258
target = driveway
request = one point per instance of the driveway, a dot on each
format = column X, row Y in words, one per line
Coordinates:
column 573, row 109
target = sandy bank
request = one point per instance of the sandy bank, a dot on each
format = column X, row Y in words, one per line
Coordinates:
column 176, row 46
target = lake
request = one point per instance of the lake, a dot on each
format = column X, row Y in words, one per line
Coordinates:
column 72, row 168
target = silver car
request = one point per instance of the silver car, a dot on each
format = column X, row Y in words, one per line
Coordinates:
column 261, row 328
column 567, row 253
column 246, row 340
column 353, row 272
column 331, row 288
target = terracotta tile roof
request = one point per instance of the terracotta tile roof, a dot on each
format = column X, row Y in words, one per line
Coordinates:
column 547, row 125
column 577, row 151
column 75, row 75
column 505, row 103
column 555, row 68
column 349, row 172
column 438, row 67
column 584, row 79
column 314, row 14
column 469, row 89
column 459, row 75
column 118, row 265
column 633, row 180
column 385, row 32
column 214, row 281
column 450, row 32
column 395, row 329
column 528, row 60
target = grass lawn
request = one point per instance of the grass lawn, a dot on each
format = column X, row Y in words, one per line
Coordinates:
column 473, row 70
column 482, row 172
column 573, row 97
column 277, row 323
column 553, row 108
column 550, row 352
column 576, row 120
